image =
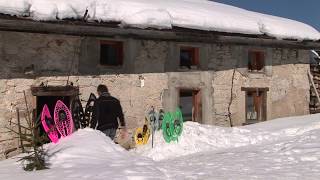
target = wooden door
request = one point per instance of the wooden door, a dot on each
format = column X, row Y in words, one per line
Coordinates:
column 197, row 106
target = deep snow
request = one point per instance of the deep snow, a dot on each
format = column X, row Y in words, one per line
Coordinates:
column 200, row 138
column 286, row 148
column 164, row 14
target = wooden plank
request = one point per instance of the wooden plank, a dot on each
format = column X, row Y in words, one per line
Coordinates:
column 313, row 85
column 315, row 73
column 254, row 88
column 316, row 81
column 54, row 90
column 314, row 111
column 20, row 132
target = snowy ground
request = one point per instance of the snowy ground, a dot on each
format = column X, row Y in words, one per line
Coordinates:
column 287, row 148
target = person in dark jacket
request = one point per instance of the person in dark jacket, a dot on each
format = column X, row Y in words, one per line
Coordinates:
column 107, row 113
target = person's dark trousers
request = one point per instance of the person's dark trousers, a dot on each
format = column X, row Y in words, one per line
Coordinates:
column 110, row 132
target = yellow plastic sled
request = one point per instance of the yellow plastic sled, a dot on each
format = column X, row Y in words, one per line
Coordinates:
column 141, row 135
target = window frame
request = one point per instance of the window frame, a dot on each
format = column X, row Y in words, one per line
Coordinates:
column 264, row 103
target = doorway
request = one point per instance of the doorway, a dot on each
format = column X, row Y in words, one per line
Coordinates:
column 49, row 95
column 256, row 105
column 50, row 101
column 190, row 104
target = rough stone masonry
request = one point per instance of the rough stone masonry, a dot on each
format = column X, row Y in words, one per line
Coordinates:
column 31, row 59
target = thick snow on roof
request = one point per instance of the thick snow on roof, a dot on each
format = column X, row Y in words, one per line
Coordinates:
column 164, row 14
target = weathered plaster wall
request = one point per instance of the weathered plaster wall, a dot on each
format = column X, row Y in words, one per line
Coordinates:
column 285, row 76
column 151, row 55
column 22, row 57
column 32, row 59
column 290, row 94
column 135, row 100
column 28, row 54
column 49, row 59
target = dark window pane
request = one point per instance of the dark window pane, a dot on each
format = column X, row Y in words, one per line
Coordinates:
column 251, row 114
column 189, row 57
column 185, row 58
column 111, row 53
column 256, row 60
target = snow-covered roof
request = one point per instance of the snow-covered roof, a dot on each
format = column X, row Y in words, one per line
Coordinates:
column 164, row 14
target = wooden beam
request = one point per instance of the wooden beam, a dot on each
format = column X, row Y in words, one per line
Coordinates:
column 19, row 130
column 313, row 85
column 54, row 90
column 254, row 88
column 101, row 30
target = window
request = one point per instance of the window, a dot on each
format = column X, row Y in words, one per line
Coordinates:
column 189, row 57
column 255, row 105
column 111, row 53
column 256, row 61
column 190, row 104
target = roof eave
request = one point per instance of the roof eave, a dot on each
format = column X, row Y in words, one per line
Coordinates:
column 77, row 28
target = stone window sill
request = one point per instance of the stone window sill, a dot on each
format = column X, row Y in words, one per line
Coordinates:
column 185, row 69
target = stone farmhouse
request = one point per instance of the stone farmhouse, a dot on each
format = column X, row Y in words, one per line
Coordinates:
column 216, row 77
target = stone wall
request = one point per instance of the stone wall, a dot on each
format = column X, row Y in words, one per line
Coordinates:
column 135, row 100
column 285, row 76
column 32, row 59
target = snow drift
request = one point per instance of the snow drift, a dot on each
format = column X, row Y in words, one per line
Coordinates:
column 86, row 144
column 197, row 138
column 287, row 147
column 86, row 154
column 164, row 14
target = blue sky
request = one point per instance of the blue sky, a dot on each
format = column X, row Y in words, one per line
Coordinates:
column 307, row 11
